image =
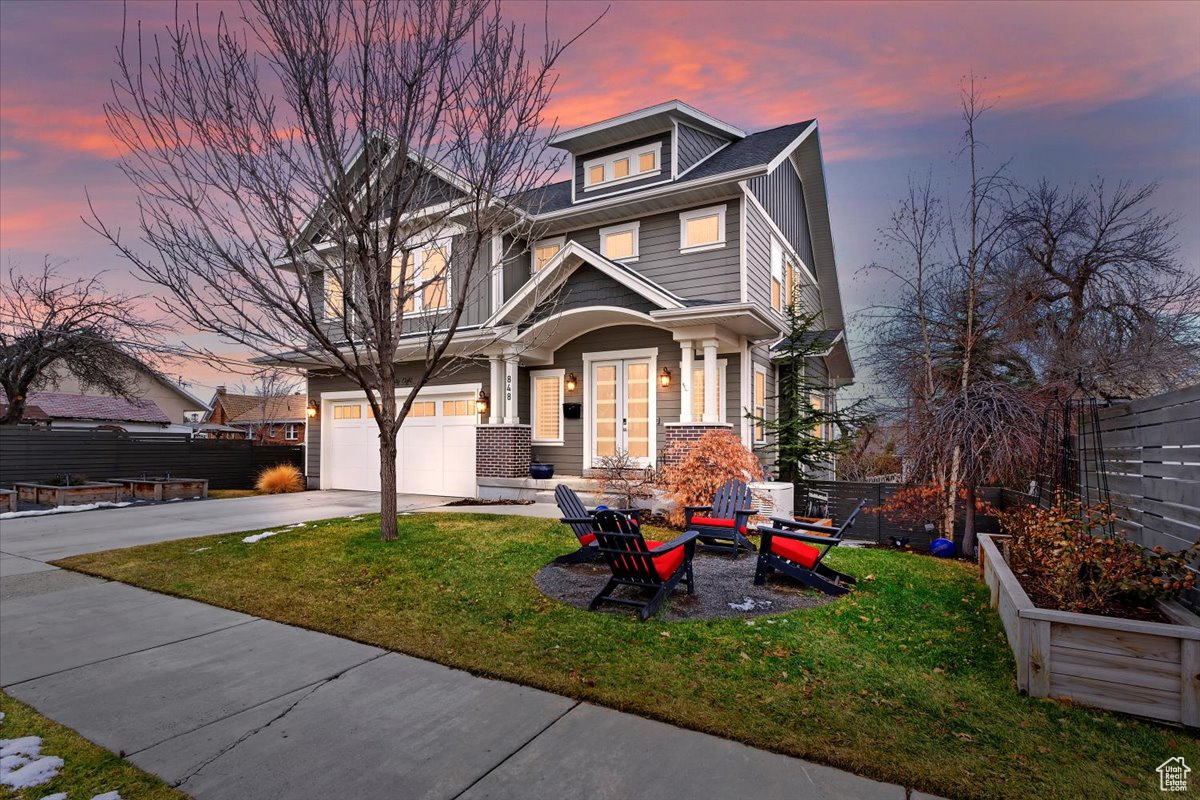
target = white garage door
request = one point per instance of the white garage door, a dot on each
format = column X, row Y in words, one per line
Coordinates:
column 436, row 446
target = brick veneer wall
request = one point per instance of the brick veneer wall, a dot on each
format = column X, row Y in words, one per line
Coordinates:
column 503, row 451
column 680, row 433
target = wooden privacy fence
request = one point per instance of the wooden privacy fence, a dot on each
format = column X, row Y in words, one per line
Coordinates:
column 1152, row 457
column 28, row 454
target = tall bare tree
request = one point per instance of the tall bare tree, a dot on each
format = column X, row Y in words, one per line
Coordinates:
column 331, row 182
column 271, row 387
column 51, row 323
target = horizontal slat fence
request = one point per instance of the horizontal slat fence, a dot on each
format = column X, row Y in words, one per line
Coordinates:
column 876, row 527
column 29, row 454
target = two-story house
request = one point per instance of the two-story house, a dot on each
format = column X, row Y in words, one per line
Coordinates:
column 643, row 314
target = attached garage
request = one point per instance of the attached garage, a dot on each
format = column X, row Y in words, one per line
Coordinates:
column 436, row 445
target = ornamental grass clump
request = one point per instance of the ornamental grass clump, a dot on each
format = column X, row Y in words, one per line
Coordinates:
column 697, row 469
column 280, row 479
column 1067, row 557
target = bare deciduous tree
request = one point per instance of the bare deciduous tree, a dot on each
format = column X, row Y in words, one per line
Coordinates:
column 331, row 184
column 271, row 388
column 50, row 323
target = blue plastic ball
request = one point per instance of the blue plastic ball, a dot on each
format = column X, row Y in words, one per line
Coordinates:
column 942, row 548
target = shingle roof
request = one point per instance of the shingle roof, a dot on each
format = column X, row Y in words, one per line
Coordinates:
column 61, row 405
column 757, row 149
column 248, row 408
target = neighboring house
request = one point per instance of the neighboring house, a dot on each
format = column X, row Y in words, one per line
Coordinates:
column 265, row 420
column 176, row 402
column 643, row 314
column 64, row 410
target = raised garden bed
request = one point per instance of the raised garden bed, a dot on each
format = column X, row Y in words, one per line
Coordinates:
column 162, row 488
column 77, row 495
column 8, row 500
column 1151, row 669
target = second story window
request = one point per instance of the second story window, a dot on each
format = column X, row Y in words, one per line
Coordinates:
column 702, row 229
column 427, row 285
column 627, row 165
column 777, row 287
column 620, row 242
column 335, row 298
column 545, row 250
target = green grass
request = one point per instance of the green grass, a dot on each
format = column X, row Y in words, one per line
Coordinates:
column 87, row 771
column 907, row 680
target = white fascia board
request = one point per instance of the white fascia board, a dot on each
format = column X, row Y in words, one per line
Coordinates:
column 787, row 151
column 675, row 106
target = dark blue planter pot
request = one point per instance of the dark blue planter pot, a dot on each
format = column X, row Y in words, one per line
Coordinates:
column 541, row 472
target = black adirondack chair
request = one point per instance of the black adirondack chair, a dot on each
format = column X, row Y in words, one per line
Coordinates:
column 582, row 523
column 797, row 549
column 634, row 561
column 725, row 520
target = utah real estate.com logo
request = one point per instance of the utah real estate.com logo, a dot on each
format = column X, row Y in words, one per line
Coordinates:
column 1173, row 775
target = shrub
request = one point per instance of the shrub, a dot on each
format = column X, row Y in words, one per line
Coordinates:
column 623, row 479
column 1058, row 552
column 699, row 468
column 918, row 505
column 280, row 479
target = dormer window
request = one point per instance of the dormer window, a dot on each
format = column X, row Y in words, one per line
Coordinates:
column 627, row 165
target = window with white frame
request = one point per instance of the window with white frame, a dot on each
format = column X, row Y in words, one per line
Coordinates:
column 698, row 389
column 427, row 284
column 760, row 403
column 291, row 431
column 545, row 405
column 335, row 297
column 702, row 229
column 777, row 280
column 620, row 242
column 347, row 411
column 545, row 250
column 627, row 165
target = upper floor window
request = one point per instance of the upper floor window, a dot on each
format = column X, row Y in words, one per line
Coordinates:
column 427, row 285
column 335, row 297
column 702, row 229
column 637, row 162
column 545, row 250
column 777, row 287
column 620, row 242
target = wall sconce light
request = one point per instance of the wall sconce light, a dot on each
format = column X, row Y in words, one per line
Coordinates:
column 664, row 378
column 570, row 381
column 311, row 410
column 481, row 402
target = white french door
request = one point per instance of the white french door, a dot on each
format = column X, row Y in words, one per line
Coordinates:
column 622, row 409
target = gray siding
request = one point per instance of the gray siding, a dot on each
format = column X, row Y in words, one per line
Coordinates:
column 457, row 371
column 760, row 356
column 587, row 287
column 568, row 458
column 694, row 145
column 758, row 265
column 664, row 173
column 516, row 266
column 710, row 275
column 782, row 196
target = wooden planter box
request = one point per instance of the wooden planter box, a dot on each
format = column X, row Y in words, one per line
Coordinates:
column 8, row 500
column 1151, row 669
column 162, row 488
column 81, row 495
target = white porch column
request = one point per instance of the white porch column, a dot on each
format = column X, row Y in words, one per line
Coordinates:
column 710, row 381
column 512, row 387
column 496, row 390
column 685, row 381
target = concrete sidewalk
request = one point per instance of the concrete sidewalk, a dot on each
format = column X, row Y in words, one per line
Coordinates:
column 229, row 706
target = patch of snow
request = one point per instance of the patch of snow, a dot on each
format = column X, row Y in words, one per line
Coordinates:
column 1, row 716
column 749, row 604
column 201, row 549
column 62, row 510
column 22, row 764
column 107, row 796
column 849, row 543
column 258, row 537
column 175, row 499
column 57, row 796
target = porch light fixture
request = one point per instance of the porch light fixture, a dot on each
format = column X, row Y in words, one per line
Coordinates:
column 664, row 378
column 311, row 410
column 481, row 402
column 570, row 381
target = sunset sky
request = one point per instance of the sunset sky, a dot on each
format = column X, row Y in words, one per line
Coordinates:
column 1080, row 90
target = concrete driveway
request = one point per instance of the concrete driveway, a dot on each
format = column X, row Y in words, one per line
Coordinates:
column 61, row 535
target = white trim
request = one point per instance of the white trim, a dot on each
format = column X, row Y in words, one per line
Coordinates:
column 587, row 202
column 561, row 375
column 620, row 355
column 787, row 151
column 606, row 201
column 636, row 318
column 642, row 113
column 743, row 275
column 573, row 180
column 674, row 149
column 699, row 213
column 292, row 428
column 702, row 160
column 759, row 369
column 747, row 387
column 624, row 227
column 779, row 233
column 497, row 270
column 561, row 241
column 722, row 387
column 632, row 154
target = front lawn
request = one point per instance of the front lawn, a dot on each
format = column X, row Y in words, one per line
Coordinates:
column 87, row 770
column 908, row 680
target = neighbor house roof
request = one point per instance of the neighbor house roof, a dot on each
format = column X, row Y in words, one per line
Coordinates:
column 247, row 409
column 61, row 405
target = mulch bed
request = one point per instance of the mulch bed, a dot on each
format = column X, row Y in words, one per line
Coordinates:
column 1117, row 610
column 724, row 588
